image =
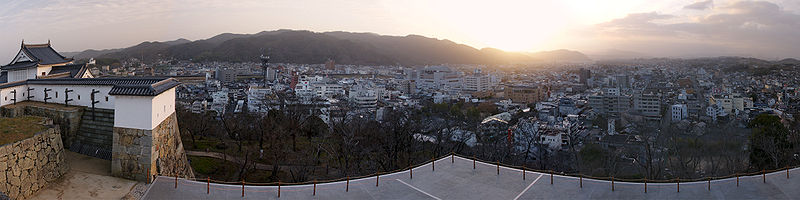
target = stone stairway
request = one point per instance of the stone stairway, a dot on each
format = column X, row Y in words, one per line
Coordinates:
column 95, row 135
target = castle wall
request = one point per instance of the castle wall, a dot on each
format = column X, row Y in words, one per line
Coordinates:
column 67, row 119
column 140, row 153
column 27, row 166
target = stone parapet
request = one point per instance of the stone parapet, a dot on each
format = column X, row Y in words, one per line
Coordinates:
column 28, row 165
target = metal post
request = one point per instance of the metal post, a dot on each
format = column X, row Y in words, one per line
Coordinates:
column 176, row 181
column 581, row 181
column 645, row 185
column 498, row 167
column 473, row 162
column 764, row 175
column 411, row 173
column 551, row 177
column 679, row 184
column 612, row 183
column 208, row 185
column 787, row 172
column 377, row 179
column 433, row 164
column 452, row 158
column 523, row 173
column 709, row 184
column 737, row 179
column 347, row 187
column 279, row 190
column 315, row 188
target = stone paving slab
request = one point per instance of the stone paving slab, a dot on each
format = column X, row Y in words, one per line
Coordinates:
column 458, row 180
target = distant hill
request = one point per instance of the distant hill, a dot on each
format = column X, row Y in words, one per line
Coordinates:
column 561, row 55
column 616, row 54
column 344, row 47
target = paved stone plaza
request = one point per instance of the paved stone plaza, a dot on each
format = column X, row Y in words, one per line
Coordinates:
column 459, row 180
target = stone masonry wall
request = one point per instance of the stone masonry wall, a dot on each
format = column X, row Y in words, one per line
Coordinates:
column 139, row 153
column 171, row 158
column 68, row 118
column 28, row 165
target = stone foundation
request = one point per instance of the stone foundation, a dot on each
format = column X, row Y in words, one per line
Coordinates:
column 28, row 165
column 141, row 153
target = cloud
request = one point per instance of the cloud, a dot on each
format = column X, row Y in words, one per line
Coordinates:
column 747, row 28
column 701, row 5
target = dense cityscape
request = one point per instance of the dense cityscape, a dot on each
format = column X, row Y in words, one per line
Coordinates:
column 413, row 99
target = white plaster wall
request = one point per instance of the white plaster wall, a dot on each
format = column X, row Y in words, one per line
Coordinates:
column 6, row 96
column 163, row 106
column 84, row 91
column 134, row 112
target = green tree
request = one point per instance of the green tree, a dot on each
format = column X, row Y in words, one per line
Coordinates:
column 769, row 142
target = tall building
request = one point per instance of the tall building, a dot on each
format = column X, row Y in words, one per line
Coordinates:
column 611, row 102
column 648, row 103
column 330, row 64
column 439, row 78
column 679, row 112
column 525, row 94
column 476, row 83
column 584, row 74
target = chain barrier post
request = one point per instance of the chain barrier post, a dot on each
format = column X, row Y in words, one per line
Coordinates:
column 433, row 164
column 612, row 183
column 377, row 179
column 452, row 158
column 411, row 173
column 645, row 185
column 347, row 187
column 279, row 190
column 679, row 184
column 176, row 181
column 498, row 167
column 551, row 177
column 208, row 185
column 764, row 175
column 737, row 179
column 709, row 184
column 473, row 162
column 787, row 171
column 523, row 173
column 581, row 181
column 315, row 188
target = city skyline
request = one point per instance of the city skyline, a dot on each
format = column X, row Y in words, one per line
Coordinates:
column 685, row 28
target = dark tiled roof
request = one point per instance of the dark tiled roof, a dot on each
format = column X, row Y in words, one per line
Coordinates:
column 144, row 90
column 45, row 54
column 150, row 86
column 19, row 65
column 73, row 69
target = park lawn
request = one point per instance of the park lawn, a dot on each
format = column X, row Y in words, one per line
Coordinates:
column 19, row 128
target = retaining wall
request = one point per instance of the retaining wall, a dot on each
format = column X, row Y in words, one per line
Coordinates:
column 140, row 154
column 28, row 165
column 67, row 118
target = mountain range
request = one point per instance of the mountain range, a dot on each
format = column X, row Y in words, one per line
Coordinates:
column 306, row 47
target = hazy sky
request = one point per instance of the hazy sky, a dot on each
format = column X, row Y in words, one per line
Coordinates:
column 685, row 28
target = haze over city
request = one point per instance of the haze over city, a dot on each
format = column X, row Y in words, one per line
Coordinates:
column 683, row 28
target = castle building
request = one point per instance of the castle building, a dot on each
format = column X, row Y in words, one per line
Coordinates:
column 130, row 121
column 38, row 61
